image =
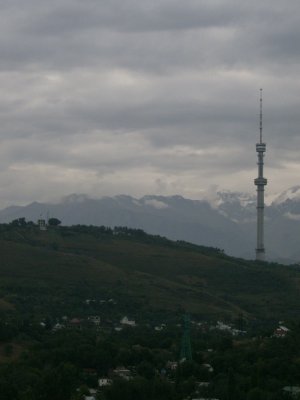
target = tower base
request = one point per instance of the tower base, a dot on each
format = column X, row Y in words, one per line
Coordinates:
column 260, row 254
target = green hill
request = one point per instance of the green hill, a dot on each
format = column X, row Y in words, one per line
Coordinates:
column 53, row 272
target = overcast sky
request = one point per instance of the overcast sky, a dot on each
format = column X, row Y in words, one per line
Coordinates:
column 138, row 97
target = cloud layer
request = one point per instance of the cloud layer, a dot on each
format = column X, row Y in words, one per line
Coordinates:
column 144, row 97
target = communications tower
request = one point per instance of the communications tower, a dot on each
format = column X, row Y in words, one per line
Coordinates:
column 186, row 348
column 260, row 182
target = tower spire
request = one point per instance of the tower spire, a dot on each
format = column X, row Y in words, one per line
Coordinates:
column 260, row 116
column 260, row 182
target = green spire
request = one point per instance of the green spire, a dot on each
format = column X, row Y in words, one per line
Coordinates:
column 186, row 348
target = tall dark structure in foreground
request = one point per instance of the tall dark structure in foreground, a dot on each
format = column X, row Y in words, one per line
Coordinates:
column 186, row 348
column 260, row 182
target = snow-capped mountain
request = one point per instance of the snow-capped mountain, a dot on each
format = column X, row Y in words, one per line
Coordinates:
column 229, row 222
column 291, row 194
column 239, row 207
column 174, row 217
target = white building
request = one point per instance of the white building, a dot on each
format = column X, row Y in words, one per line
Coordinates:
column 294, row 391
column 122, row 372
column 102, row 382
column 95, row 319
column 126, row 321
column 281, row 332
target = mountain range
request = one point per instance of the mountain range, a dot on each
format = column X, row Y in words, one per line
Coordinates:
column 228, row 222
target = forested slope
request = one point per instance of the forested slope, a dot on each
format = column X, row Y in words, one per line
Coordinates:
column 63, row 265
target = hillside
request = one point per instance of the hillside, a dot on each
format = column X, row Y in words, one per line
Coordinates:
column 227, row 221
column 53, row 272
column 174, row 217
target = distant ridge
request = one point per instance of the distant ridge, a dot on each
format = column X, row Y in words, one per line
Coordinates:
column 227, row 222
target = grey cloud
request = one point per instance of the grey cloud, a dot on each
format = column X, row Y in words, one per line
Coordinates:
column 160, row 94
column 157, row 35
column 132, row 16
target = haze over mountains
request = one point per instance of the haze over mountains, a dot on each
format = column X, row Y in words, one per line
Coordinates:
column 227, row 222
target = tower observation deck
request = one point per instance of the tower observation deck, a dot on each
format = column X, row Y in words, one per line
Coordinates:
column 260, row 183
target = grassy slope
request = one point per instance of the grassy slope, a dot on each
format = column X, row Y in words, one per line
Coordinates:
column 62, row 263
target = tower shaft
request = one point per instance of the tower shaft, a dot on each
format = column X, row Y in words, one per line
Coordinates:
column 260, row 182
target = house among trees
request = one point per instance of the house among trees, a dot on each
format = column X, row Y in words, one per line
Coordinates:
column 75, row 323
column 126, row 321
column 172, row 365
column 95, row 319
column 58, row 327
column 293, row 391
column 208, row 367
column 122, row 372
column 102, row 382
column 281, row 332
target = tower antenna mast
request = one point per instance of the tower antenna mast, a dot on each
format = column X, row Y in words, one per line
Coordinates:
column 260, row 116
column 260, row 183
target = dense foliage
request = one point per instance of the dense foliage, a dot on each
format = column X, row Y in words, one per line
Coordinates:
column 54, row 285
column 37, row 363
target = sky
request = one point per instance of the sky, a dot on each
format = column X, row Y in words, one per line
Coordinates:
column 146, row 97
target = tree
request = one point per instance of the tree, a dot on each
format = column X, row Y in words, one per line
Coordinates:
column 19, row 222
column 54, row 222
column 256, row 394
column 146, row 370
column 58, row 382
